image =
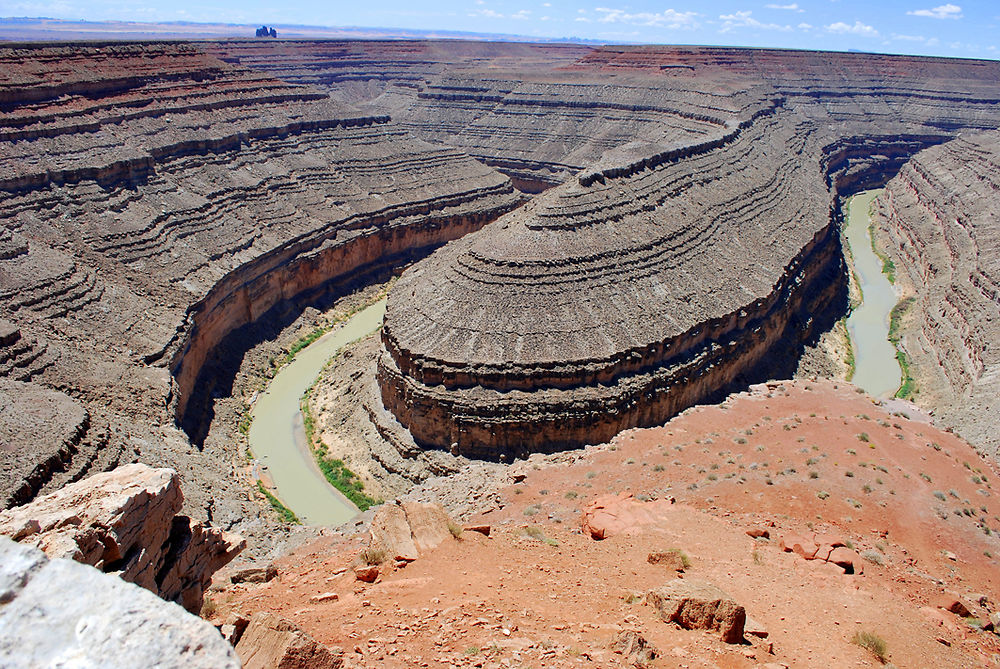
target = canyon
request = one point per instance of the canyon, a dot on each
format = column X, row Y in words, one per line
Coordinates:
column 588, row 240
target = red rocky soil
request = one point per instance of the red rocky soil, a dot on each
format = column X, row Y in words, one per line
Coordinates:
column 540, row 592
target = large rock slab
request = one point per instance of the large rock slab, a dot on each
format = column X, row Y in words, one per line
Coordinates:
column 59, row 613
column 126, row 521
column 404, row 530
column 273, row 642
column 697, row 604
column 609, row 515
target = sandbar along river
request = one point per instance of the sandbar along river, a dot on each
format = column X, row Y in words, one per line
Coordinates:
column 278, row 439
column 876, row 368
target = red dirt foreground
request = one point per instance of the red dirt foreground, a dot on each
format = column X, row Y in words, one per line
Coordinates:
column 818, row 463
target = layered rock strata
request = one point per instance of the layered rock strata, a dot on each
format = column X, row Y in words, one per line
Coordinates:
column 664, row 272
column 938, row 219
column 618, row 300
column 159, row 202
column 47, row 439
column 540, row 113
column 126, row 522
column 58, row 612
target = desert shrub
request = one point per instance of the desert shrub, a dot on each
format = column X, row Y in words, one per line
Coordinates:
column 873, row 643
column 456, row 530
column 685, row 560
column 874, row 557
column 373, row 556
column 537, row 534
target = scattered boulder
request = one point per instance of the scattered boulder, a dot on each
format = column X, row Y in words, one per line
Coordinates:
column 697, row 604
column 995, row 620
column 670, row 559
column 254, row 574
column 759, row 533
column 366, row 573
column 753, row 628
column 826, row 548
column 405, row 529
column 126, row 522
column 272, row 642
column 481, row 529
column 953, row 604
column 61, row 613
column 846, row 559
column 232, row 630
column 609, row 515
column 634, row 647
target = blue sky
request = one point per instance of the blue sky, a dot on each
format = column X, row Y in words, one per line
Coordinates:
column 956, row 28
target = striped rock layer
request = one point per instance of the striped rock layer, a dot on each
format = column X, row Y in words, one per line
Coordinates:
column 665, row 271
column 158, row 201
column 939, row 214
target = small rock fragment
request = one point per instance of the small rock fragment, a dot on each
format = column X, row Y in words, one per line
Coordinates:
column 669, row 559
column 366, row 573
column 634, row 647
column 324, row 597
column 482, row 529
column 272, row 641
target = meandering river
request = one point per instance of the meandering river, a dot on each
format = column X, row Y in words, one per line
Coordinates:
column 876, row 368
column 278, row 439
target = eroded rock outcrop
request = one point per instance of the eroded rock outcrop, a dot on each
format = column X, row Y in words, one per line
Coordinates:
column 938, row 219
column 163, row 210
column 126, row 522
column 618, row 300
column 56, row 612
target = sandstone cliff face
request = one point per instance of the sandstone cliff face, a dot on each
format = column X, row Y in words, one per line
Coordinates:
column 939, row 219
column 665, row 271
column 618, row 300
column 56, row 612
column 158, row 201
column 125, row 522
column 48, row 439
column 540, row 113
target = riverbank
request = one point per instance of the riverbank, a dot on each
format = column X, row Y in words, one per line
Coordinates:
column 877, row 369
column 277, row 437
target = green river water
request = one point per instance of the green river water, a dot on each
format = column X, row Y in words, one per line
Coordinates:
column 876, row 368
column 278, row 439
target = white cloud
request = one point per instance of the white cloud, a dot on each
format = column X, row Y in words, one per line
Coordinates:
column 805, row 26
column 909, row 38
column 858, row 28
column 948, row 11
column 546, row 4
column 668, row 18
column 487, row 13
column 521, row 15
column 745, row 20
column 793, row 7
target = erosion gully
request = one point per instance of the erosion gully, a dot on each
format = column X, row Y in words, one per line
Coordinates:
column 876, row 368
column 277, row 436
